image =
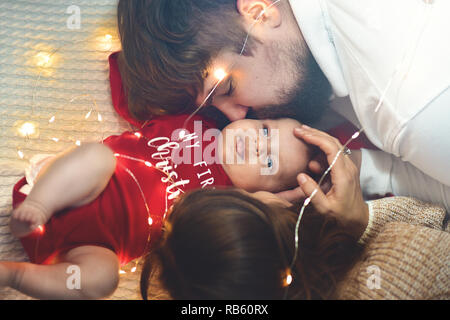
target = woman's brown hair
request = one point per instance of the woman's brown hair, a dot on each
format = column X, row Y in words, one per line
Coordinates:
column 167, row 47
column 225, row 244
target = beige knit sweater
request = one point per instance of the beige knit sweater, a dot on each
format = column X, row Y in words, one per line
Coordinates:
column 407, row 253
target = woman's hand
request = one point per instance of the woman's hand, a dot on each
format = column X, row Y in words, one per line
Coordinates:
column 316, row 166
column 344, row 200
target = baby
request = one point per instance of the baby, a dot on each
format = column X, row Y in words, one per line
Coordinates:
column 101, row 205
column 264, row 155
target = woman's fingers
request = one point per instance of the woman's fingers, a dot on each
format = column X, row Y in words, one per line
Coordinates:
column 331, row 147
column 293, row 195
column 310, row 188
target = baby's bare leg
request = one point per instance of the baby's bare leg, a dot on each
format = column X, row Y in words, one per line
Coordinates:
column 86, row 272
column 72, row 179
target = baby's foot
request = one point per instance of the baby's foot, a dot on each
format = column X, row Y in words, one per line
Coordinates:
column 29, row 216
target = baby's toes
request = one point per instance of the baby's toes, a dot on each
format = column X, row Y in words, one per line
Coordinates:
column 18, row 214
column 23, row 222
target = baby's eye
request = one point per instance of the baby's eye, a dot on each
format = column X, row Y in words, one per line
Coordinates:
column 269, row 162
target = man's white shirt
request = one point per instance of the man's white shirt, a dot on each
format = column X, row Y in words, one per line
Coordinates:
column 397, row 52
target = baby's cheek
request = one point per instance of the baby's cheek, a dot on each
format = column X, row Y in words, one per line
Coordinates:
column 243, row 177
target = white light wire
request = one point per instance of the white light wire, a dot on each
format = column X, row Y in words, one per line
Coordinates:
column 354, row 136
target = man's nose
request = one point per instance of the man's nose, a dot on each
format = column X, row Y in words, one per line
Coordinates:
column 233, row 111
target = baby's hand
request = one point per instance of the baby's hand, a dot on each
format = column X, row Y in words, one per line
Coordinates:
column 29, row 216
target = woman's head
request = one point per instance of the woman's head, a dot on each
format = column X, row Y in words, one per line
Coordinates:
column 226, row 244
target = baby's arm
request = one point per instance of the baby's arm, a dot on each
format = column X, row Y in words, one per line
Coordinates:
column 73, row 178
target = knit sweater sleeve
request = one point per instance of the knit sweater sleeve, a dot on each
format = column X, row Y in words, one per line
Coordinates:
column 404, row 261
column 401, row 209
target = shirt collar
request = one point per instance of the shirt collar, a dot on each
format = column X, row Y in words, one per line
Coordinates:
column 313, row 20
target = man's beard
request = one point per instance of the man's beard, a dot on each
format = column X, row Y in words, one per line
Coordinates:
column 307, row 101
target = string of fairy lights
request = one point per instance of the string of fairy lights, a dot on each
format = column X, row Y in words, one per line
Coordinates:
column 221, row 74
column 29, row 129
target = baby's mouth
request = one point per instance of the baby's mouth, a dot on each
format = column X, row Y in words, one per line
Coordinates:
column 240, row 147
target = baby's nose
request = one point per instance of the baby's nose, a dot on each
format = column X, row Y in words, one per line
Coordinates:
column 240, row 147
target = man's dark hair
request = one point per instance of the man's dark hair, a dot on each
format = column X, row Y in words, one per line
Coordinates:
column 167, row 47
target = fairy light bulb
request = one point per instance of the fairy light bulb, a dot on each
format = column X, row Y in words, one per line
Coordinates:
column 20, row 153
column 356, row 135
column 55, row 139
column 148, row 164
column 99, row 117
column 121, row 271
column 52, row 119
column 43, row 59
column 106, row 42
column 27, row 129
column 133, row 269
column 88, row 114
column 220, row 74
column 78, row 143
column 150, row 221
column 288, row 279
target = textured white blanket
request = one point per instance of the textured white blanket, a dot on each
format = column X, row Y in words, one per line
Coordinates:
column 51, row 68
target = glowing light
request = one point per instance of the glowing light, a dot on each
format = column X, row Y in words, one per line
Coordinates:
column 43, row 59
column 150, row 221
column 88, row 114
column 20, row 153
column 288, row 280
column 55, row 139
column 182, row 134
column 133, row 269
column 52, row 119
column 220, row 74
column 27, row 129
column 148, row 164
column 138, row 134
column 40, row 229
column 116, row 155
column 99, row 117
column 106, row 42
column 122, row 272
column 78, row 143
column 356, row 135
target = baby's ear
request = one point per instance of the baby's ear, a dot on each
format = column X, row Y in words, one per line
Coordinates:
column 271, row 199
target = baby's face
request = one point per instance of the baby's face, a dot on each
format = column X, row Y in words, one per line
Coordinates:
column 264, row 155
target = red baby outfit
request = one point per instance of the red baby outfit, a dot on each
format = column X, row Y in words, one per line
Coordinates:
column 118, row 218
